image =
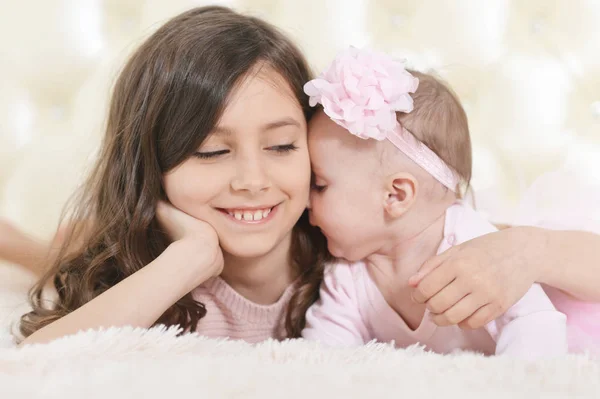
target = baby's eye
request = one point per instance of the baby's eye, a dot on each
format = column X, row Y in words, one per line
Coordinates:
column 316, row 184
column 317, row 188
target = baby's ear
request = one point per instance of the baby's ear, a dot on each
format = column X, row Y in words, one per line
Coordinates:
column 400, row 194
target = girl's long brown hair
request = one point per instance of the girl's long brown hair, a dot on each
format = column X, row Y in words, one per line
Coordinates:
column 169, row 96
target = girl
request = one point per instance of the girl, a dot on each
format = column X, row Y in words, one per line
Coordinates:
column 395, row 202
column 206, row 134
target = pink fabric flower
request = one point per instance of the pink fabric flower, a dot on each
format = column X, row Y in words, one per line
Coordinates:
column 362, row 90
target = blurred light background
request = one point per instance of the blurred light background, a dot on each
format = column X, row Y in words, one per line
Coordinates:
column 528, row 73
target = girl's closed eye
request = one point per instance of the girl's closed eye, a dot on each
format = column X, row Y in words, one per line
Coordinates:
column 210, row 154
column 278, row 149
column 283, row 148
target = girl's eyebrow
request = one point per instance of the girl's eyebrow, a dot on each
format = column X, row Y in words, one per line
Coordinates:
column 226, row 131
column 281, row 123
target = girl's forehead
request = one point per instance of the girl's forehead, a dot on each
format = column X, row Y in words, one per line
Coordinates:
column 261, row 100
column 264, row 80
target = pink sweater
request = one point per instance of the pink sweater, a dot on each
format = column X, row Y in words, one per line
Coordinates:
column 231, row 315
column 352, row 311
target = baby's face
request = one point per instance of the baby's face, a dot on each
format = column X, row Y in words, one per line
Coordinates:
column 348, row 192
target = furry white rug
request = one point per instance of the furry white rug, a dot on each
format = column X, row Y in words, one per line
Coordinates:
column 128, row 363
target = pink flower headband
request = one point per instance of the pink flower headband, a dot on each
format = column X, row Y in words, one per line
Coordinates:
column 361, row 91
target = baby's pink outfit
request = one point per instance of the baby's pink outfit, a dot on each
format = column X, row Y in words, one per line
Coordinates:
column 352, row 311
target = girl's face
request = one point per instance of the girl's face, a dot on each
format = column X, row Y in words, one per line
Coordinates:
column 250, row 178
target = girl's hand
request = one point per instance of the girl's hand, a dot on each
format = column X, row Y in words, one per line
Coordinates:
column 476, row 282
column 194, row 234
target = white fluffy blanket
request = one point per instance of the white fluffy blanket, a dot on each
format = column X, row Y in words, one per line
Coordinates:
column 127, row 363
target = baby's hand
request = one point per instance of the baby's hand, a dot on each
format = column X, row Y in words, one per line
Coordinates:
column 184, row 228
column 475, row 282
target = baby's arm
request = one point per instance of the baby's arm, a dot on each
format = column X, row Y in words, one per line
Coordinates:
column 531, row 329
column 335, row 318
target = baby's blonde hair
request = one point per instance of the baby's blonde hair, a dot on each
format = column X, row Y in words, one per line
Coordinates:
column 439, row 121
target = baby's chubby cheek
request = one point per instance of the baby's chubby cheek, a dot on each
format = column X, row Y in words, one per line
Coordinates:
column 320, row 217
column 329, row 220
column 313, row 215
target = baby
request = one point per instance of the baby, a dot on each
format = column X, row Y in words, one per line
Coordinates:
column 389, row 168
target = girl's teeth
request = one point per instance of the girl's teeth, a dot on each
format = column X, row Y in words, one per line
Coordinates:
column 250, row 216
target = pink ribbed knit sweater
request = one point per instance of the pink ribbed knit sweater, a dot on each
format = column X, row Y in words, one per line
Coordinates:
column 231, row 315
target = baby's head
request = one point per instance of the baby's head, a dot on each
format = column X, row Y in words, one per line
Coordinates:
column 388, row 155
